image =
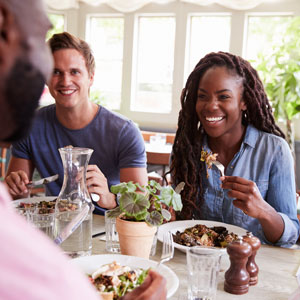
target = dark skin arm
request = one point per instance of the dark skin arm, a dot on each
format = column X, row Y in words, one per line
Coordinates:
column 249, row 200
column 18, row 174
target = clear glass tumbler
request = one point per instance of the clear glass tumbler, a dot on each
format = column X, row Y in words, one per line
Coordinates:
column 44, row 222
column 111, row 235
column 203, row 266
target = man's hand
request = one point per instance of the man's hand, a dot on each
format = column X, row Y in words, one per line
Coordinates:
column 153, row 288
column 97, row 184
column 16, row 183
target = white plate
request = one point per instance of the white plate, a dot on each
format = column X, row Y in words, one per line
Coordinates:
column 89, row 264
column 32, row 200
column 182, row 225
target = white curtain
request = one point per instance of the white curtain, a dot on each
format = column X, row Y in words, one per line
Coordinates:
column 132, row 5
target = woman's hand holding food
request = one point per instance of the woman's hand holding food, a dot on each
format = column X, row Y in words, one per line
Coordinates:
column 247, row 197
column 246, row 194
column 97, row 184
column 153, row 288
column 16, row 183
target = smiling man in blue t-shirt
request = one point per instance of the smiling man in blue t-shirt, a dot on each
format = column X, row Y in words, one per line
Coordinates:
column 119, row 152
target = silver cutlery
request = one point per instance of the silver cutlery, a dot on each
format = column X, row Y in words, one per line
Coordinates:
column 219, row 166
column 42, row 181
column 168, row 248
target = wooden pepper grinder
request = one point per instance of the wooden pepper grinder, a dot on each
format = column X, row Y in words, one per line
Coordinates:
column 237, row 277
column 251, row 266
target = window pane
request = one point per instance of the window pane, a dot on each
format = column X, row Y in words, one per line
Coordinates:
column 263, row 32
column 207, row 34
column 154, row 65
column 106, row 40
column 58, row 24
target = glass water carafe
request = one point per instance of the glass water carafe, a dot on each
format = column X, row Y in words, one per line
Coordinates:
column 72, row 199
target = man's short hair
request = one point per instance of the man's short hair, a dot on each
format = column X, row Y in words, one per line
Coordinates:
column 66, row 40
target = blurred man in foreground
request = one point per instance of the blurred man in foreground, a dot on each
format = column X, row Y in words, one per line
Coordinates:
column 31, row 266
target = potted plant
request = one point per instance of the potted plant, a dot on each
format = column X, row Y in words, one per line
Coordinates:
column 141, row 209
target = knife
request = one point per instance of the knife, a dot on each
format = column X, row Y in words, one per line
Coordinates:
column 72, row 225
column 42, row 181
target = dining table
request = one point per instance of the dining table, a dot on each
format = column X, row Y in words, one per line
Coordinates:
column 276, row 278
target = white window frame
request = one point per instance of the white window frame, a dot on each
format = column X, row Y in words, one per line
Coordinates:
column 76, row 24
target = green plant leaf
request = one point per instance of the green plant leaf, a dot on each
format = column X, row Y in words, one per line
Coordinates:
column 176, row 202
column 280, row 72
column 179, row 187
column 155, row 184
column 170, row 198
column 154, row 218
column 142, row 216
column 166, row 214
column 134, row 204
column 123, row 187
column 114, row 213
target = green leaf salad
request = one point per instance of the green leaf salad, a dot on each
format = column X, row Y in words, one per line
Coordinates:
column 115, row 280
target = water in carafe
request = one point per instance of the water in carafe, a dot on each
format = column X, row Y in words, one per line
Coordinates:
column 72, row 198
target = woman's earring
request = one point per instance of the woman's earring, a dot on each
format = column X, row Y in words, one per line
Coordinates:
column 245, row 117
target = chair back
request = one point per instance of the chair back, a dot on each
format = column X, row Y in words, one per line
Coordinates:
column 3, row 154
column 170, row 137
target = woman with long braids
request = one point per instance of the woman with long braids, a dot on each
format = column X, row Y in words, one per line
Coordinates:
column 225, row 111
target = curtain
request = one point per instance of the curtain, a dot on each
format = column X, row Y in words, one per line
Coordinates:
column 132, row 5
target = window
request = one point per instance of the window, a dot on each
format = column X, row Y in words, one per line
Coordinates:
column 161, row 44
column 58, row 24
column 207, row 33
column 153, row 68
column 262, row 33
column 105, row 36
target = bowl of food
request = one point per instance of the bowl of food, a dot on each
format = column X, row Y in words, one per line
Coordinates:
column 201, row 233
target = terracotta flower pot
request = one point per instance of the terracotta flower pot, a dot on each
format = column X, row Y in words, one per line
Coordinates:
column 135, row 238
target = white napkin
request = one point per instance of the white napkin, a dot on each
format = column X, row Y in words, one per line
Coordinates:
column 296, row 294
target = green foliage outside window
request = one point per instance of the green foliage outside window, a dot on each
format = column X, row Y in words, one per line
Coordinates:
column 280, row 72
column 97, row 97
column 58, row 24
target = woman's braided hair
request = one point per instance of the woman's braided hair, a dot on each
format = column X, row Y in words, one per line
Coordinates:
column 186, row 165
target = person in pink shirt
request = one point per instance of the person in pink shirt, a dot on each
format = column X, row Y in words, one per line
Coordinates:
column 31, row 266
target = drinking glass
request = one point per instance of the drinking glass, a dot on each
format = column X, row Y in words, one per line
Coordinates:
column 44, row 222
column 203, row 266
column 153, row 248
column 111, row 234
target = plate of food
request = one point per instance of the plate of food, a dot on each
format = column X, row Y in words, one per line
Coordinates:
column 110, row 273
column 40, row 205
column 201, row 233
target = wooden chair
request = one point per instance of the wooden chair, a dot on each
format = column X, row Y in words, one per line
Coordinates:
column 3, row 154
column 156, row 160
column 170, row 137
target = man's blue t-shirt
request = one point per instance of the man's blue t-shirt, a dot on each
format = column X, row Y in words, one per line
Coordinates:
column 116, row 141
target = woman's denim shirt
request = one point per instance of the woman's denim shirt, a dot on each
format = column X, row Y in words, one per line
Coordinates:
column 265, row 159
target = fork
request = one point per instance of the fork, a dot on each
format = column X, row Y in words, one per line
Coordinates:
column 220, row 167
column 168, row 248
